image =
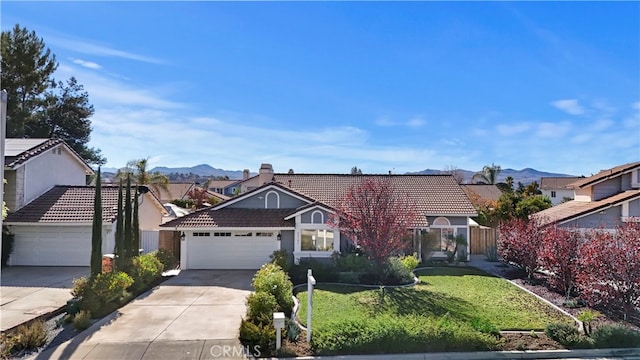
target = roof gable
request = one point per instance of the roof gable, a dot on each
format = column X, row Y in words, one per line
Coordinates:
column 606, row 175
column 20, row 151
column 263, row 190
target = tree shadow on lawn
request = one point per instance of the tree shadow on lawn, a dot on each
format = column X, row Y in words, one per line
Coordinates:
column 451, row 271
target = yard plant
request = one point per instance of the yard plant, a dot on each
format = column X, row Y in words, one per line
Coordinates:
column 457, row 309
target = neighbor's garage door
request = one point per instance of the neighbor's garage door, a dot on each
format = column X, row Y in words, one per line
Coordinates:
column 51, row 245
column 229, row 252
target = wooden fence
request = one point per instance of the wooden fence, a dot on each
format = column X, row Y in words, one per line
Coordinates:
column 481, row 238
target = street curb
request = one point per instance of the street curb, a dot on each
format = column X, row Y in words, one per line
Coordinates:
column 489, row 355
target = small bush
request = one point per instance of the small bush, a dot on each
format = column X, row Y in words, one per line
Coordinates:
column 410, row 261
column 79, row 287
column 260, row 337
column 82, row 320
column 485, row 326
column 353, row 262
column 587, row 317
column 144, row 270
column 492, row 253
column 567, row 335
column 292, row 330
column 273, row 280
column 261, row 306
column 166, row 257
column 29, row 336
column 282, row 259
column 322, row 271
column 396, row 272
column 615, row 336
column 349, row 277
column 105, row 293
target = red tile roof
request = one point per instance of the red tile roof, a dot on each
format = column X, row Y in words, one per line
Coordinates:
column 67, row 204
column 433, row 194
column 605, row 174
column 553, row 183
column 574, row 209
column 234, row 217
column 485, row 192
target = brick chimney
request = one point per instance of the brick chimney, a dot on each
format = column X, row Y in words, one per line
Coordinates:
column 265, row 174
column 245, row 174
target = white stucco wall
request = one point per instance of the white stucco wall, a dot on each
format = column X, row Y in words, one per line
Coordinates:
column 560, row 194
column 149, row 213
column 57, row 166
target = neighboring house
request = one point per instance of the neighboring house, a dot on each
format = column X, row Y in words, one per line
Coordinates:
column 33, row 166
column 290, row 212
column 482, row 192
column 248, row 182
column 180, row 191
column 224, row 187
column 55, row 228
column 605, row 200
column 557, row 188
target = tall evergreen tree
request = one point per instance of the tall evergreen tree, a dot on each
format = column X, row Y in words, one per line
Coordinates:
column 96, row 234
column 129, row 252
column 136, row 224
column 119, row 238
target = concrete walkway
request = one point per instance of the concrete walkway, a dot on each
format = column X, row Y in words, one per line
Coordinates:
column 195, row 315
column 29, row 292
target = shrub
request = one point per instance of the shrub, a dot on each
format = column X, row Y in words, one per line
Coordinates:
column 615, row 336
column 260, row 337
column 8, row 240
column 79, row 287
column 166, row 257
column 609, row 265
column 587, row 317
column 352, row 262
column 567, row 335
column 559, row 256
column 82, row 320
column 349, row 277
column 281, row 258
column 396, row 272
column 105, row 293
column 322, row 271
column 273, row 280
column 519, row 242
column 29, row 336
column 292, row 330
column 144, row 270
column 410, row 261
column 261, row 306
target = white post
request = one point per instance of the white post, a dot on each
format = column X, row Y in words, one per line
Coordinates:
column 278, row 323
column 310, row 282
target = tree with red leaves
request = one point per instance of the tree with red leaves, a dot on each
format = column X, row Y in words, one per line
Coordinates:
column 609, row 264
column 376, row 217
column 199, row 196
column 519, row 242
column 558, row 254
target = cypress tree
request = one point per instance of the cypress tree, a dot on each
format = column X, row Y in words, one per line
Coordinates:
column 96, row 234
column 136, row 225
column 119, row 237
column 129, row 253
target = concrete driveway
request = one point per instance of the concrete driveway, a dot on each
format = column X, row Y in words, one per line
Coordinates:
column 27, row 292
column 193, row 315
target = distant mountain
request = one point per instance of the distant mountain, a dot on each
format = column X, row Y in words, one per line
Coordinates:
column 525, row 176
column 200, row 170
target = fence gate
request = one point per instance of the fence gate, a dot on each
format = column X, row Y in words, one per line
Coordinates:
column 481, row 238
column 149, row 240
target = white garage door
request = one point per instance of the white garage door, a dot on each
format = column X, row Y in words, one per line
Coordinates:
column 230, row 251
column 51, row 245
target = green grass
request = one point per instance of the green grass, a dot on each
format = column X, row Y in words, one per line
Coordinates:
column 442, row 313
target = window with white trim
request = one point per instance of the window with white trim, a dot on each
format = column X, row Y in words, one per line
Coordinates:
column 317, row 217
column 316, row 240
column 442, row 234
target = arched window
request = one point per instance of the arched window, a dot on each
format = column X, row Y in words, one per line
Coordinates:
column 317, row 217
column 441, row 221
column 272, row 200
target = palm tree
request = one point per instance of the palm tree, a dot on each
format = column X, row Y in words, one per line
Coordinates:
column 141, row 176
column 488, row 175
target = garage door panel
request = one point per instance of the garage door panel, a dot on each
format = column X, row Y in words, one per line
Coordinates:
column 52, row 246
column 232, row 252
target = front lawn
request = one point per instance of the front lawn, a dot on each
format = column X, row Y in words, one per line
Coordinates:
column 451, row 309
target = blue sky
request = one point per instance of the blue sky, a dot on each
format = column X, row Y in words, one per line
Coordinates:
column 324, row 86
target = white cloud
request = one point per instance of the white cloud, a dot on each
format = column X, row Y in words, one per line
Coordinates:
column 87, row 64
column 548, row 129
column 601, row 125
column 89, row 48
column 414, row 122
column 570, row 106
column 509, row 130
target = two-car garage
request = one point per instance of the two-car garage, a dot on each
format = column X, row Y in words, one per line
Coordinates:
column 51, row 245
column 227, row 249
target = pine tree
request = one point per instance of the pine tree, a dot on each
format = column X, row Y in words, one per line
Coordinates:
column 96, row 234
column 119, row 237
